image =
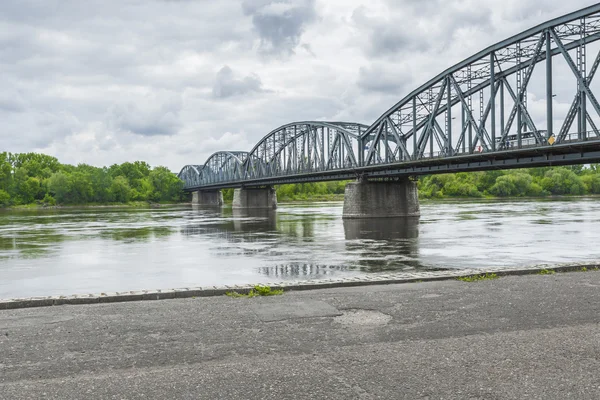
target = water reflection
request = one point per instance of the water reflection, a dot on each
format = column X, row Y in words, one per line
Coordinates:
column 382, row 228
column 302, row 271
column 384, row 244
column 253, row 220
column 129, row 235
column 231, row 224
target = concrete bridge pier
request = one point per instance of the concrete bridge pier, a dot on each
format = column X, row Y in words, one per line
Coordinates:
column 264, row 197
column 212, row 198
column 381, row 199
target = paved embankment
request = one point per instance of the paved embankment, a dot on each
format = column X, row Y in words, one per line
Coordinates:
column 363, row 280
column 510, row 338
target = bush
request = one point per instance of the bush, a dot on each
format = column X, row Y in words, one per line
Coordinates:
column 48, row 200
column 591, row 183
column 562, row 181
column 4, row 198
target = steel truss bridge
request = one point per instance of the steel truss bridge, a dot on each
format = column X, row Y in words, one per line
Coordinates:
column 493, row 110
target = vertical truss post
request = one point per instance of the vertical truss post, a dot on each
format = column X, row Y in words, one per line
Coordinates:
column 481, row 121
column 329, row 143
column 501, row 108
column 284, row 149
column 449, row 149
column 462, row 124
column 414, row 128
column 361, row 148
column 385, row 142
column 295, row 149
column 493, row 100
column 519, row 98
column 308, row 146
column 429, row 130
column 582, row 70
column 323, row 147
column 342, row 157
column 549, row 93
column 470, row 110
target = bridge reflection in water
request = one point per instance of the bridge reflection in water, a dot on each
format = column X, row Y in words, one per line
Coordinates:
column 382, row 228
column 308, row 242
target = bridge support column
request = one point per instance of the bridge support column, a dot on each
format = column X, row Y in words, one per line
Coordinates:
column 387, row 199
column 255, row 198
column 212, row 198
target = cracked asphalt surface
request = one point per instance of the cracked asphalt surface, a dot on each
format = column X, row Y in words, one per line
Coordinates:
column 526, row 337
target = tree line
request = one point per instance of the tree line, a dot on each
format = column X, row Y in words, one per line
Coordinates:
column 29, row 178
column 573, row 180
column 576, row 180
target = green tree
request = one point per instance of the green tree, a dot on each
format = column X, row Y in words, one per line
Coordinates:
column 591, row 182
column 59, row 185
column 167, row 187
column 120, row 189
column 4, row 198
column 562, row 180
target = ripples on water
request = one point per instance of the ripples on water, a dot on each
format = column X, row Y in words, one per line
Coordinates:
column 93, row 250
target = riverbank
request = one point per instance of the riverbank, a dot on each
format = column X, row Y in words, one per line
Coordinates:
column 511, row 338
column 131, row 204
column 300, row 199
column 367, row 280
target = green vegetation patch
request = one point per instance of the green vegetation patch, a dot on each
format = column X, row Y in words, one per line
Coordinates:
column 477, row 278
column 41, row 180
column 546, row 272
column 573, row 180
column 257, row 290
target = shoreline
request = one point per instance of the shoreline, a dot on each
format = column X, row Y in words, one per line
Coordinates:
column 210, row 291
column 333, row 199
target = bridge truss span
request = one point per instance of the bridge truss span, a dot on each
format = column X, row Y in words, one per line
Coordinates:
column 305, row 147
column 481, row 104
column 526, row 101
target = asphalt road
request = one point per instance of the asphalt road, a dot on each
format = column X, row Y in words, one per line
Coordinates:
column 527, row 337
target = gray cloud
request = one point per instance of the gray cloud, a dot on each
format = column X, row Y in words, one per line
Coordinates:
column 416, row 26
column 226, row 85
column 382, row 79
column 105, row 81
column 280, row 23
column 147, row 119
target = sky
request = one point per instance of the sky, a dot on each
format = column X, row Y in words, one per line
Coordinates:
column 170, row 82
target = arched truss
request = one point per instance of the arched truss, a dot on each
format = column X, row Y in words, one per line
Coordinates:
column 304, row 147
column 223, row 166
column 190, row 175
column 480, row 104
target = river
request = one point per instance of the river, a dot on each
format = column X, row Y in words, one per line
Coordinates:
column 94, row 250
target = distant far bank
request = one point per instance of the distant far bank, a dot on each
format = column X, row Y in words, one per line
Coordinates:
column 32, row 180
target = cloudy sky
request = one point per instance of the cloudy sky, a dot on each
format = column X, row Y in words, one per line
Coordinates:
column 172, row 81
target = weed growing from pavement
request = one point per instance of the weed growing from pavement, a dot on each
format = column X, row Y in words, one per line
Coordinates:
column 257, row 290
column 546, row 272
column 477, row 278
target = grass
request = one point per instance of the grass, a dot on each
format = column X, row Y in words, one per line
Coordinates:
column 257, row 290
column 546, row 272
column 477, row 278
column 585, row 269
